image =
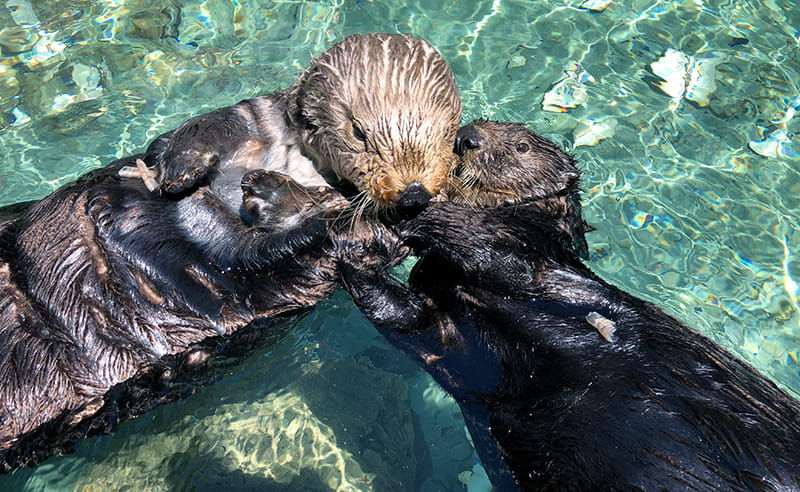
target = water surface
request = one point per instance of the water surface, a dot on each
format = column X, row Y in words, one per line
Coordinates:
column 682, row 115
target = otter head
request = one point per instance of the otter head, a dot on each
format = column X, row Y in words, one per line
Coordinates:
column 380, row 111
column 504, row 163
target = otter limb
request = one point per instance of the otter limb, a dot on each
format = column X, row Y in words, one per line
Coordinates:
column 550, row 405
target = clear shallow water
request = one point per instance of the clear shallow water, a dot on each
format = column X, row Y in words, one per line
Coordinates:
column 694, row 192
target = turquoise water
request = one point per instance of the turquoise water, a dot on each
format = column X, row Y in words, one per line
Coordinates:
column 682, row 115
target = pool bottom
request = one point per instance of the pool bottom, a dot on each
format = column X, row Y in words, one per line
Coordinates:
column 330, row 407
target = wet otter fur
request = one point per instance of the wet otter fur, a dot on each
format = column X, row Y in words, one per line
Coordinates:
column 118, row 308
column 112, row 293
column 376, row 113
column 504, row 315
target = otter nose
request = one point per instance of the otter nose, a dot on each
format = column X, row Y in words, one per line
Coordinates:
column 414, row 198
column 466, row 138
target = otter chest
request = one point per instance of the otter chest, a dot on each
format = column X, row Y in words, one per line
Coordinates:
column 272, row 145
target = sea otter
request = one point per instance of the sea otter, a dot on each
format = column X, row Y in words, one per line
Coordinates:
column 114, row 294
column 375, row 114
column 565, row 381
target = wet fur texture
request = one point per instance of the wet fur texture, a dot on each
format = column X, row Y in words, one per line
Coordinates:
column 112, row 299
column 377, row 112
column 497, row 315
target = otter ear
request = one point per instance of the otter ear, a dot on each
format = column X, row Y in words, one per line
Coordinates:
column 571, row 177
column 299, row 96
column 294, row 106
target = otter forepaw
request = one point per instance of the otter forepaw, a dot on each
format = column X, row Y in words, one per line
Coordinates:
column 178, row 172
column 371, row 252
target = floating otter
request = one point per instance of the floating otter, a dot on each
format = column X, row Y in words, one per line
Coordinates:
column 376, row 113
column 565, row 381
column 112, row 296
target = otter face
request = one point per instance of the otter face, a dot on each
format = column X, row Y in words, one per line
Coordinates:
column 505, row 163
column 381, row 112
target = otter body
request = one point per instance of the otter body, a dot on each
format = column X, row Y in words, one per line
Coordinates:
column 115, row 310
column 509, row 321
column 114, row 287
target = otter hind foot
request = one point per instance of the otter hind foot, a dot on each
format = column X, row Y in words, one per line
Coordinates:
column 147, row 175
column 276, row 202
column 603, row 325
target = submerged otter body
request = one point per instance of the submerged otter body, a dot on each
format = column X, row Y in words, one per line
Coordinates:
column 565, row 381
column 112, row 291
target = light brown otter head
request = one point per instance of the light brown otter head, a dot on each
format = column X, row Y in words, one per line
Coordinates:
column 380, row 111
column 503, row 163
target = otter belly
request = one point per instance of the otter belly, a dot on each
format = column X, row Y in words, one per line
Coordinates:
column 273, row 147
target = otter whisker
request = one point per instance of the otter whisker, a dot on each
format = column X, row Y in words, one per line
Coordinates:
column 306, row 197
column 353, row 211
column 349, row 210
column 360, row 209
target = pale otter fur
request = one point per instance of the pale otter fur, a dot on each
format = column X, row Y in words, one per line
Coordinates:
column 376, row 111
column 381, row 112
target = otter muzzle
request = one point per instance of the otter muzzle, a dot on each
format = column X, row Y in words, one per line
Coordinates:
column 413, row 199
column 467, row 138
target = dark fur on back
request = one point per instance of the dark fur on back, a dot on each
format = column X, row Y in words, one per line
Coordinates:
column 112, row 298
column 499, row 320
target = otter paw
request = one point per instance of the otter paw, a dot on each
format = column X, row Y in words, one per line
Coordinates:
column 180, row 171
column 352, row 253
column 275, row 201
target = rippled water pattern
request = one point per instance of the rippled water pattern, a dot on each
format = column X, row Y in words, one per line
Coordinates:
column 683, row 115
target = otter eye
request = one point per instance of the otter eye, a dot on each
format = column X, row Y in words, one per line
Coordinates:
column 522, row 147
column 359, row 133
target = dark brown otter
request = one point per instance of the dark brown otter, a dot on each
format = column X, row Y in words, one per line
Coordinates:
column 551, row 404
column 112, row 297
column 378, row 112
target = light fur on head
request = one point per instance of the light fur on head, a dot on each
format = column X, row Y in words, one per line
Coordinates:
column 380, row 111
